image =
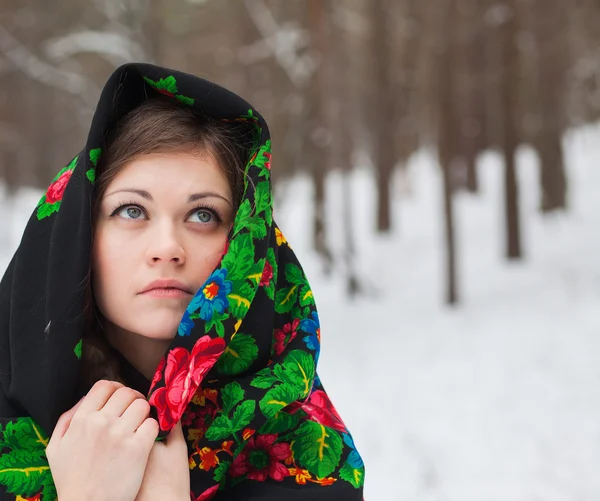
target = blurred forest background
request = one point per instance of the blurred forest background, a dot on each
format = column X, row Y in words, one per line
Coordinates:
column 340, row 83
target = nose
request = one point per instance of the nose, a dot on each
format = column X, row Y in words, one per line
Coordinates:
column 165, row 246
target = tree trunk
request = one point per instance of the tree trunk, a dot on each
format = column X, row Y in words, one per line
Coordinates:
column 552, row 67
column 552, row 172
column 472, row 181
column 382, row 115
column 446, row 136
column 319, row 131
column 509, row 86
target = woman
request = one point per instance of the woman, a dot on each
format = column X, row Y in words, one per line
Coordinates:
column 153, row 297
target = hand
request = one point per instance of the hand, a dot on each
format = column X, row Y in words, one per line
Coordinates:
column 167, row 473
column 99, row 448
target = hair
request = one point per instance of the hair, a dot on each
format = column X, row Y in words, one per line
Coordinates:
column 159, row 125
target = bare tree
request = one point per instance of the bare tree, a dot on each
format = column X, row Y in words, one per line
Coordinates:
column 447, row 119
column 381, row 118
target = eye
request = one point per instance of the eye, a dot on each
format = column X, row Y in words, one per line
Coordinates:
column 129, row 212
column 204, row 215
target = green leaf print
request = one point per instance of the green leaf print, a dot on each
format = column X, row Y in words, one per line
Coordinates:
column 239, row 299
column 95, row 155
column 221, row 471
column 300, row 371
column 239, row 257
column 280, row 423
column 243, row 415
column 317, row 448
column 78, row 348
column 261, row 159
column 243, row 213
column 276, row 399
column 215, row 322
column 306, row 296
column 231, row 395
column 255, row 271
column 294, row 274
column 264, row 379
column 270, row 289
column 46, row 210
column 246, row 219
column 239, row 355
column 219, row 429
column 355, row 476
column 24, row 468
column 185, row 100
column 285, row 299
column 91, row 175
column 168, row 86
column 263, row 200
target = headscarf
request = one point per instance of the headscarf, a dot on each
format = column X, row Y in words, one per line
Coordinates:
column 241, row 370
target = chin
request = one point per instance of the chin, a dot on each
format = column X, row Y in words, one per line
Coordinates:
column 159, row 329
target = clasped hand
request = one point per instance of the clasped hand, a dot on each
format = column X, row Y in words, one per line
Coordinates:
column 105, row 449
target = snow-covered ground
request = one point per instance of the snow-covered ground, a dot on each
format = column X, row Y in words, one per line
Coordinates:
column 497, row 399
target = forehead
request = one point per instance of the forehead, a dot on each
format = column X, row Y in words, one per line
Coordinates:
column 172, row 171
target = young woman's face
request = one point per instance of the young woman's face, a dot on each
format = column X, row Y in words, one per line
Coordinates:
column 165, row 216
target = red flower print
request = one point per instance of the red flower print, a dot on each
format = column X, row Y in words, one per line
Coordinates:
column 207, row 494
column 320, row 409
column 284, row 336
column 267, row 275
column 57, row 188
column 247, row 433
column 209, row 458
column 37, row 497
column 301, row 475
column 268, row 162
column 204, row 394
column 157, row 374
column 183, row 375
column 188, row 418
column 165, row 92
column 261, row 458
column 325, row 481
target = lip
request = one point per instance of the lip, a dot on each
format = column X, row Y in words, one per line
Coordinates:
column 163, row 286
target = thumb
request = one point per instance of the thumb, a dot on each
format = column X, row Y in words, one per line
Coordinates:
column 64, row 422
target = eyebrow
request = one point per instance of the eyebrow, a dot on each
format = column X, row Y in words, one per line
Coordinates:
column 192, row 198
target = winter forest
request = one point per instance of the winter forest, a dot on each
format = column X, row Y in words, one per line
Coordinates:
column 434, row 168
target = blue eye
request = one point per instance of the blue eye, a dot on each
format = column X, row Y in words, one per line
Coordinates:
column 205, row 216
column 129, row 212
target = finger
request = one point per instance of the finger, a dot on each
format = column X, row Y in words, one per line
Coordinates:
column 98, row 396
column 135, row 415
column 120, row 401
column 148, row 431
column 62, row 425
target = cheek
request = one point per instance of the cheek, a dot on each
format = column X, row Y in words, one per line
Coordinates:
column 206, row 261
column 109, row 271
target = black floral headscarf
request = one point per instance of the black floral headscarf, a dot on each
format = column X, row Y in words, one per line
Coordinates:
column 241, row 371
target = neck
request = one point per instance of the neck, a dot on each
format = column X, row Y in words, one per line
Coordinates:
column 141, row 352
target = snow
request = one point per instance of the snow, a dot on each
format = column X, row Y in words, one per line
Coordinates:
column 496, row 399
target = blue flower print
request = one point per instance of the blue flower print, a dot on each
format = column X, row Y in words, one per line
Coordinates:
column 186, row 324
column 313, row 327
column 354, row 459
column 212, row 297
